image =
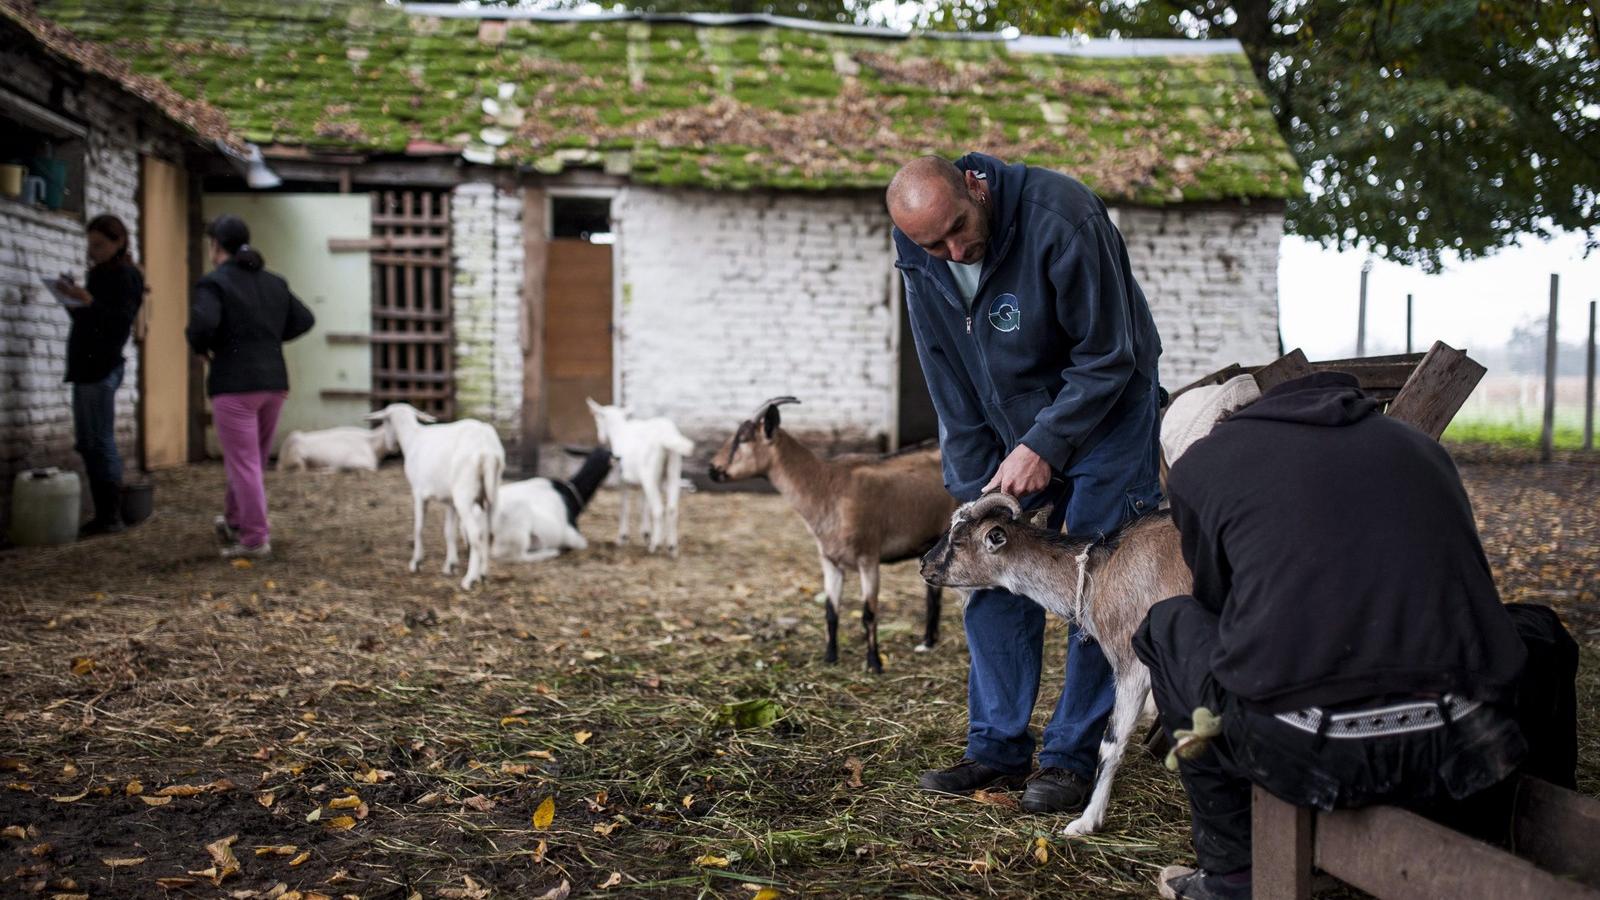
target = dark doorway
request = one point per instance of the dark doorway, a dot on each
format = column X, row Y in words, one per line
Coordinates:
column 918, row 422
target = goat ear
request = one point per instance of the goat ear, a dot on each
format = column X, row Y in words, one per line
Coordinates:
column 994, row 538
column 593, row 406
column 427, row 418
column 770, row 421
column 379, row 416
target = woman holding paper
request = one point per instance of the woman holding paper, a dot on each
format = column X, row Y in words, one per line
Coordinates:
column 102, row 318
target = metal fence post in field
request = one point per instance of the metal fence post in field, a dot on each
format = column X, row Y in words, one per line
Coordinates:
column 1588, row 387
column 1547, row 436
column 1408, row 323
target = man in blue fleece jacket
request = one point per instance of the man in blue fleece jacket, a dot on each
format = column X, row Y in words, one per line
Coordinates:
column 1040, row 355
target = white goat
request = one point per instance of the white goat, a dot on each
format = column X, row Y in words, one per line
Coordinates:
column 537, row 519
column 651, row 452
column 459, row 463
column 342, row 449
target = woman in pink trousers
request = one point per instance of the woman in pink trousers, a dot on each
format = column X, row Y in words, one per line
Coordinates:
column 239, row 317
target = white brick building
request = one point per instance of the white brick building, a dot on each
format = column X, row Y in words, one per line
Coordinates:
column 707, row 229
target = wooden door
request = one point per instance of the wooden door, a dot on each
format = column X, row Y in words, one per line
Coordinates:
column 577, row 337
column 163, row 351
column 330, row 368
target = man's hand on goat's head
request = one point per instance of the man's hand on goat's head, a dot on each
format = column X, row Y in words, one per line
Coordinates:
column 1022, row 473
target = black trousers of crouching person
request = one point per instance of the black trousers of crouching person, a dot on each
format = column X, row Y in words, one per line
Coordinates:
column 1455, row 773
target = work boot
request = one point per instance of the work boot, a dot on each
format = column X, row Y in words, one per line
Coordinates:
column 1184, row 883
column 1055, row 790
column 107, row 497
column 965, row 777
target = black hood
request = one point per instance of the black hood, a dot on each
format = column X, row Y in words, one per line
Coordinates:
column 577, row 492
column 1322, row 398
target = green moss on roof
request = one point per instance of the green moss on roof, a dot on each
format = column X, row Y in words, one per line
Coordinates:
column 678, row 104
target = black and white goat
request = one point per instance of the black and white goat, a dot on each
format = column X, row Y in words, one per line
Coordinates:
column 1106, row 586
column 536, row 519
column 863, row 511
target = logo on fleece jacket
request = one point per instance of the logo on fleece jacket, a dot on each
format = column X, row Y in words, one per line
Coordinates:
column 1005, row 314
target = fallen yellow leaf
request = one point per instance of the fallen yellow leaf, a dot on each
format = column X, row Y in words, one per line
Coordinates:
column 540, row 754
column 1041, row 851
column 712, row 862
column 15, row 832
column 174, row 881
column 341, row 823
column 243, row 564
column 515, row 768
column 767, row 893
column 612, row 881
column 121, row 863
column 134, row 788
column 82, row 665
column 604, row 829
column 222, row 855
column 348, row 801
column 512, row 720
column 374, row 776
column 582, row 737
column 69, row 771
column 281, row 850
column 71, row 799
column 300, row 859
column 545, row 814
column 688, row 801
column 540, row 851
column 156, row 801
column 267, row 798
column 179, row 790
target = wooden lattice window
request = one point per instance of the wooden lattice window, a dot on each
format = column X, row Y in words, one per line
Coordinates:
column 413, row 358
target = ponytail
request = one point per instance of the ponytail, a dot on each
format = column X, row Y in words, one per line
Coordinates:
column 233, row 236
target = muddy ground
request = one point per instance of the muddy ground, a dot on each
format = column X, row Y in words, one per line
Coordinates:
column 360, row 731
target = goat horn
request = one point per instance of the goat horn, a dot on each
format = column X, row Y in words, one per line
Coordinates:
column 988, row 503
column 775, row 401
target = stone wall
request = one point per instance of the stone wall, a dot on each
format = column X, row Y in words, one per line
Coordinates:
column 730, row 298
column 486, row 244
column 1211, row 277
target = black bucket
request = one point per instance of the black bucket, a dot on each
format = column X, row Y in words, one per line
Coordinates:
column 138, row 501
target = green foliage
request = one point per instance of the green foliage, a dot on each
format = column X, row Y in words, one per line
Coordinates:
column 1425, row 127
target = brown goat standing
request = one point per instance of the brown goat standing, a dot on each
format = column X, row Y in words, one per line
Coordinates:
column 1106, row 586
column 862, row 511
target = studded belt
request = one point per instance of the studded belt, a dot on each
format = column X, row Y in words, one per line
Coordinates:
column 1402, row 718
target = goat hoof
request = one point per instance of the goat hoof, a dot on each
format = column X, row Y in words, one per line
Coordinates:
column 414, row 565
column 1079, row 828
column 922, row 648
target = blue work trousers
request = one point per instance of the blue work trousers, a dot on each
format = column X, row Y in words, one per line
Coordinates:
column 94, row 425
column 1115, row 480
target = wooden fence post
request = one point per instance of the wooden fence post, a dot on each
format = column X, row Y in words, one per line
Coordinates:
column 1547, row 435
column 1588, row 387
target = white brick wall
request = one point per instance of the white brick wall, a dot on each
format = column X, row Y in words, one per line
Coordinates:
column 35, row 405
column 486, row 242
column 731, row 298
column 1211, row 277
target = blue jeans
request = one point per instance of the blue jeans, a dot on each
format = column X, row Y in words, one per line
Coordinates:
column 94, row 424
column 1115, row 480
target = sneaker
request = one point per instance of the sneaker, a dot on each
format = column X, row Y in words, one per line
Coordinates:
column 240, row 551
column 1055, row 790
column 965, row 777
column 226, row 534
column 1185, row 883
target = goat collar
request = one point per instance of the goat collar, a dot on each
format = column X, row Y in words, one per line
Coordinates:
column 1080, row 603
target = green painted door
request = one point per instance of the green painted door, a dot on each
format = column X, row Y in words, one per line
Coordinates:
column 330, row 368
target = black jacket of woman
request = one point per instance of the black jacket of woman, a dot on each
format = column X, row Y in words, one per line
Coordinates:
column 241, row 317
column 100, row 329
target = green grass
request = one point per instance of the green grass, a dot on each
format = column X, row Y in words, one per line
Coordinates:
column 1512, row 434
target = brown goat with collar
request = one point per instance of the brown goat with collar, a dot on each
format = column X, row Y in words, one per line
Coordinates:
column 863, row 511
column 1106, row 586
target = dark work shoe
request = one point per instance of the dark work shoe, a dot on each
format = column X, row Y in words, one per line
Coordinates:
column 965, row 777
column 1055, row 790
column 1184, row 883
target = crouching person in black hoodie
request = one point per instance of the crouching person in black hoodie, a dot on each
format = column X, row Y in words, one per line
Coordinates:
column 1346, row 629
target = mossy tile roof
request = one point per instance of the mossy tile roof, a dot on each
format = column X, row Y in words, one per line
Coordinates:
column 679, row 103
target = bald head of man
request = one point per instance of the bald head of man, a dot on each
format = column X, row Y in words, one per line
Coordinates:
column 943, row 209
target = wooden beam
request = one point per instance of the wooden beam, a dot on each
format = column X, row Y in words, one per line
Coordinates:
column 1398, row 855
column 1287, row 367
column 199, row 414
column 346, row 337
column 535, row 261
column 1281, row 845
column 1553, row 828
column 1437, row 388
column 389, row 242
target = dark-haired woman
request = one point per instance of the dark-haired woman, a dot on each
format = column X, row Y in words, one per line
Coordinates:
column 111, row 296
column 239, row 318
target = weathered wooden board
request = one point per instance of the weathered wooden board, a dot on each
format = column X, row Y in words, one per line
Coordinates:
column 1281, row 847
column 1556, row 829
column 1437, row 388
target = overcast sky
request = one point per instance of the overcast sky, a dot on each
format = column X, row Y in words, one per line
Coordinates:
column 1468, row 305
